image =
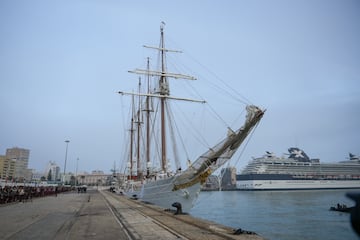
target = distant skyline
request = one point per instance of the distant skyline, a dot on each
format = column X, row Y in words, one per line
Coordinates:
column 62, row 63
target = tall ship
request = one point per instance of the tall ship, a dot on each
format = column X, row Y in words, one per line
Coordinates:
column 154, row 171
column 297, row 172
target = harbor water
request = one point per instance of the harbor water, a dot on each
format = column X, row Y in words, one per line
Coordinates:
column 280, row 215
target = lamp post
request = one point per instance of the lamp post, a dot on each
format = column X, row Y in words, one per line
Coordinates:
column 77, row 163
column 67, row 144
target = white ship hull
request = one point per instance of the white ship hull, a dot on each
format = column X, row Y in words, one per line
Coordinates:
column 296, row 184
column 161, row 193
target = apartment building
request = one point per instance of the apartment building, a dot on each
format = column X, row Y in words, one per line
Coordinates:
column 20, row 158
column 7, row 167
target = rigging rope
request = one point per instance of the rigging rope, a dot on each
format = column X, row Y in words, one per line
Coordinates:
column 125, row 148
column 217, row 88
column 246, row 143
column 171, row 120
column 217, row 115
column 230, row 91
column 155, row 137
column 198, row 135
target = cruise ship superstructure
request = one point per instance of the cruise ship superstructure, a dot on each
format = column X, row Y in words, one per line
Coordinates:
column 298, row 171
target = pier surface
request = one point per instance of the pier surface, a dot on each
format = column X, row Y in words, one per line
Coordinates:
column 103, row 215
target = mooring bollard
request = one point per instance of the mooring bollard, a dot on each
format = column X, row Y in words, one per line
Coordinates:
column 178, row 207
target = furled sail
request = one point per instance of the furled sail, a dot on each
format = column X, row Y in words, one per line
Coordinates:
column 215, row 157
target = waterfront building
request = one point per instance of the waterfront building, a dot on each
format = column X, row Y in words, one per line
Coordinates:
column 211, row 184
column 36, row 176
column 96, row 178
column 52, row 172
column 67, row 178
column 21, row 158
column 7, row 168
column 228, row 181
column 2, row 162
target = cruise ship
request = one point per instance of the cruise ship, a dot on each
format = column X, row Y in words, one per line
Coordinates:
column 298, row 172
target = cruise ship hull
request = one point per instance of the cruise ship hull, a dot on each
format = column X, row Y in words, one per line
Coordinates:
column 297, row 184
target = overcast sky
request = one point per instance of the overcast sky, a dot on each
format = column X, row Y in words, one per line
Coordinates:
column 62, row 62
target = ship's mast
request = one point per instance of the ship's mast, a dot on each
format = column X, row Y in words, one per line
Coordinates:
column 138, row 123
column 164, row 90
column 148, row 122
column 131, row 138
column 162, row 94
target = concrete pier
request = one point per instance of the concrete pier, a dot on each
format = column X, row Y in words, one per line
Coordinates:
column 103, row 215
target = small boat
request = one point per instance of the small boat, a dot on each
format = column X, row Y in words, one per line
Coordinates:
column 341, row 208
